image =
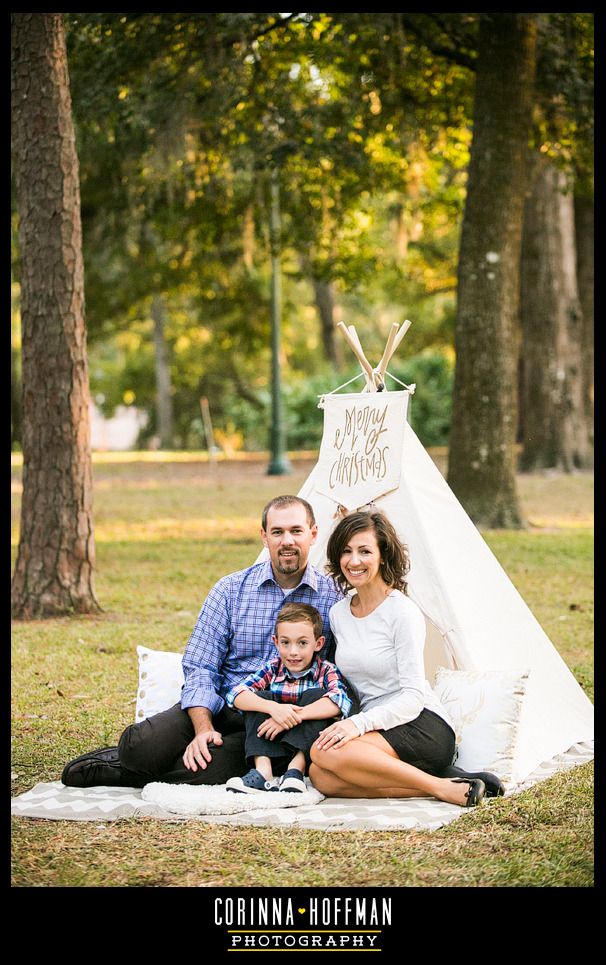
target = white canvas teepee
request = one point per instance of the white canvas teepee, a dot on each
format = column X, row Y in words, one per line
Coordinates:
column 476, row 619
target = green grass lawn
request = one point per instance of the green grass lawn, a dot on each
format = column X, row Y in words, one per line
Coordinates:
column 165, row 532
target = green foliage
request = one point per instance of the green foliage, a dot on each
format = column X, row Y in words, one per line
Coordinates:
column 304, row 420
column 564, row 115
column 430, row 406
column 180, row 117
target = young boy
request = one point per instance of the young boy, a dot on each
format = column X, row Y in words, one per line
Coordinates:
column 287, row 702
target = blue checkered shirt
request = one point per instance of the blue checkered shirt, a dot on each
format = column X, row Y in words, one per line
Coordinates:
column 274, row 677
column 232, row 636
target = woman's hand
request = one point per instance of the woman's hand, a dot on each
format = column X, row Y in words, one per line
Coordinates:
column 337, row 735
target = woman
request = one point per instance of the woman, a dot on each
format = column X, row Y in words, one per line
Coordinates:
column 402, row 739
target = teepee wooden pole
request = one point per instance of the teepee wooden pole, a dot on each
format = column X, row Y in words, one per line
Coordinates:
column 380, row 369
column 391, row 347
column 370, row 379
column 405, row 326
column 352, row 331
column 359, row 354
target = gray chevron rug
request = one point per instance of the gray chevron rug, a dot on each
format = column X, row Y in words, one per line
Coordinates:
column 53, row 801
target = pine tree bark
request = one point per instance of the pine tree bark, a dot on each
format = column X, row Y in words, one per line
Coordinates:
column 56, row 555
column 555, row 427
column 584, row 232
column 482, row 441
column 164, row 397
column 15, row 401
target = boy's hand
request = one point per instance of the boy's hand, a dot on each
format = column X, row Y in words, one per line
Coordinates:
column 270, row 730
column 286, row 715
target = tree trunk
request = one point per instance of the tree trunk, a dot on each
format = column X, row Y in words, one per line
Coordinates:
column 481, row 452
column 583, row 214
column 164, row 396
column 54, row 570
column 16, row 431
column 555, row 429
column 326, row 312
column 248, row 238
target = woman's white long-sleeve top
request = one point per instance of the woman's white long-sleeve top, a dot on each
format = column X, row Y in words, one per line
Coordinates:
column 382, row 656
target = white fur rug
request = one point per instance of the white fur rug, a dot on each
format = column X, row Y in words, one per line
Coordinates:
column 216, row 799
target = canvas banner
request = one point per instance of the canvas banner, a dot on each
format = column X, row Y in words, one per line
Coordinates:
column 361, row 452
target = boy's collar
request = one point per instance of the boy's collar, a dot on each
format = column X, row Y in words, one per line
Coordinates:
column 313, row 668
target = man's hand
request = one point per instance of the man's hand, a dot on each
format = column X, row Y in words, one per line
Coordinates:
column 197, row 752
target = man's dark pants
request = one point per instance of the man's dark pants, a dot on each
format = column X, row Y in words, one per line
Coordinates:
column 153, row 749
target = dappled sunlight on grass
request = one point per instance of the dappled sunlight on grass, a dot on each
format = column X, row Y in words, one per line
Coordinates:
column 148, row 495
column 176, row 455
column 571, row 521
column 171, row 528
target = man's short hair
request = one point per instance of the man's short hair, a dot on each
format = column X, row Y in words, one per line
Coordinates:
column 301, row 613
column 280, row 502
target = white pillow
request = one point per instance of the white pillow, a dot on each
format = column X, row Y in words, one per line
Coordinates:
column 484, row 707
column 160, row 681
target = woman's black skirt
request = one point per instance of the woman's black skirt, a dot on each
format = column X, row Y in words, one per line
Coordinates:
column 427, row 742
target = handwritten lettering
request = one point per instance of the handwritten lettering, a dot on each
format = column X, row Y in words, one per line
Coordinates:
column 369, row 422
column 357, row 468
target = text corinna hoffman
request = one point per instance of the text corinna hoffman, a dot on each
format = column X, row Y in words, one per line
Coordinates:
column 309, row 912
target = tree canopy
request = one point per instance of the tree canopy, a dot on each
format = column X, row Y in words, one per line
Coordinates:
column 368, row 117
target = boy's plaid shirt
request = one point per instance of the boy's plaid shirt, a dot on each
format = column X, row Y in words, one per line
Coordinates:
column 233, row 634
column 274, row 676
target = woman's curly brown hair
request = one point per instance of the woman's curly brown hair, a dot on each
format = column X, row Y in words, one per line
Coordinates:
column 395, row 562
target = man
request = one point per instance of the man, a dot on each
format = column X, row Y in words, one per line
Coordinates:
column 201, row 740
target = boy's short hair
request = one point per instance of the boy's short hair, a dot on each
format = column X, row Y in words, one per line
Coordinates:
column 299, row 613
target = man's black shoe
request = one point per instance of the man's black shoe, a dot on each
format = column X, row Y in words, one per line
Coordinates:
column 100, row 768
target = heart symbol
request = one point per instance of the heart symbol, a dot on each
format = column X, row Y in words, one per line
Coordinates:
column 301, row 911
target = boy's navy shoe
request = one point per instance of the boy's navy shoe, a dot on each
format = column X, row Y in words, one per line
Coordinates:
column 251, row 783
column 292, row 780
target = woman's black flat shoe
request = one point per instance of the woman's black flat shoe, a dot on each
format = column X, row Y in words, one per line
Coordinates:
column 476, row 792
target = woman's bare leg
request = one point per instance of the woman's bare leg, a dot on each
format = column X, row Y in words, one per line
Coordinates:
column 332, row 786
column 371, row 766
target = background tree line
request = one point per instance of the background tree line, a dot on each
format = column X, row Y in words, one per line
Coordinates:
column 432, row 166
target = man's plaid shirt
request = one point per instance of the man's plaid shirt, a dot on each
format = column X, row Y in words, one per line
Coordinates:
column 275, row 678
column 232, row 636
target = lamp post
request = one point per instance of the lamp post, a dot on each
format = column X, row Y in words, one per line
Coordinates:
column 279, row 464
